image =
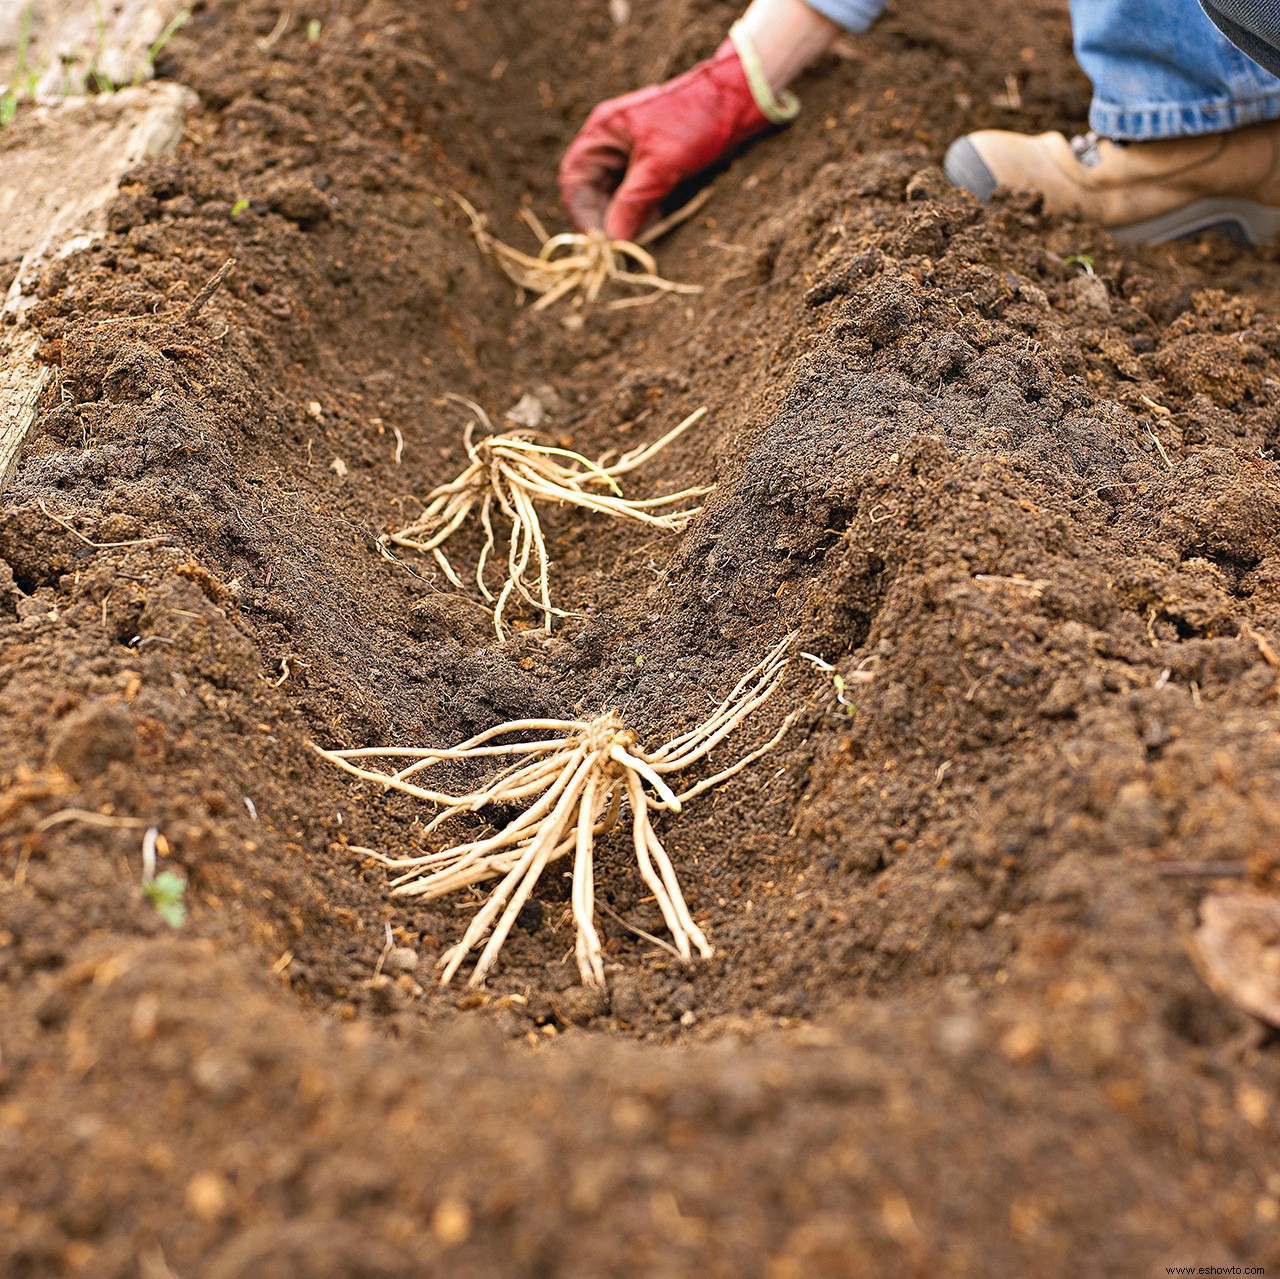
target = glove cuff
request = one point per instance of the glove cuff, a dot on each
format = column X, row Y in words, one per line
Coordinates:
column 780, row 108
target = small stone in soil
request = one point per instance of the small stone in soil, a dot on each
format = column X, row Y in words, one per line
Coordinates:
column 402, row 959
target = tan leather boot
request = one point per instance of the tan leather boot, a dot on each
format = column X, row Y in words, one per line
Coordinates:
column 1142, row 192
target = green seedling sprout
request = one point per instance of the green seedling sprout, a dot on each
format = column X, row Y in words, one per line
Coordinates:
column 841, row 685
column 837, row 681
column 100, row 79
column 176, row 23
column 239, row 207
column 164, row 891
column 165, row 894
column 24, row 76
column 314, row 27
column 1082, row 260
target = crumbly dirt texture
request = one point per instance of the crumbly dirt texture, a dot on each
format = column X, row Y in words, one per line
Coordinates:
column 953, row 1026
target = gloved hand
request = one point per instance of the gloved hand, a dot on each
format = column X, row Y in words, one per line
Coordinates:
column 634, row 150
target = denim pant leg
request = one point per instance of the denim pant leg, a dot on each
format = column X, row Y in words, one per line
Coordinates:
column 1161, row 69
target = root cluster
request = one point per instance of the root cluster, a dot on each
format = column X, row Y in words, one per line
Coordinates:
column 576, row 264
column 511, row 475
column 572, row 780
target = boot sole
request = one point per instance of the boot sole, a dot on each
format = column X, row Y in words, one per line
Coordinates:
column 1244, row 221
column 1240, row 220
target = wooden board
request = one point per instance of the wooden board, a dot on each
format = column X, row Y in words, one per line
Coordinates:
column 60, row 166
column 21, row 381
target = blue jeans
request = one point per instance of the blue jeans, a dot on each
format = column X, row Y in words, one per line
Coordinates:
column 1160, row 68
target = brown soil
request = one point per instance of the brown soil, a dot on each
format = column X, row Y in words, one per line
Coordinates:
column 952, row 1026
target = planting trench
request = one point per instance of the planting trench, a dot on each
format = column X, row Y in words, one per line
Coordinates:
column 952, row 1025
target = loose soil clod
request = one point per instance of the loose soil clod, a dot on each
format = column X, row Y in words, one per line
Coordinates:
column 580, row 776
column 514, row 473
column 576, row 264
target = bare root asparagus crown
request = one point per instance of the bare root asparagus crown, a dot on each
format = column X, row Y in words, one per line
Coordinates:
column 510, row 476
column 577, row 264
column 572, row 780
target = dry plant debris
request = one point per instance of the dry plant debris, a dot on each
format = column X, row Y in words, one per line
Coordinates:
column 580, row 264
column 573, row 779
column 511, row 474
column 1237, row 949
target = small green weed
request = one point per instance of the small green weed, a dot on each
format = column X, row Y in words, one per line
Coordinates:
column 862, row 675
column 176, row 23
column 165, row 893
column 25, row 76
column 21, row 84
column 96, row 78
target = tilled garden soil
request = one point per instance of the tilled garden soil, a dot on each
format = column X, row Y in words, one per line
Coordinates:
column 952, row 1025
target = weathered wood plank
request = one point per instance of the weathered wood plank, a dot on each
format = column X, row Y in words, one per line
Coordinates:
column 21, row 381
column 60, row 166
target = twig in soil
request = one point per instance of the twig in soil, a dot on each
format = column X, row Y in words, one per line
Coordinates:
column 572, row 778
column 99, row 546
column 1011, row 99
column 639, row 932
column 1261, row 643
column 577, row 264
column 90, row 818
column 198, row 302
column 386, row 950
column 1155, row 439
column 1035, row 585
column 511, row 475
column 1202, row 870
column 267, row 43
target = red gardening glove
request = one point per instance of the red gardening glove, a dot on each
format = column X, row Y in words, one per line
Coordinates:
column 633, row 151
